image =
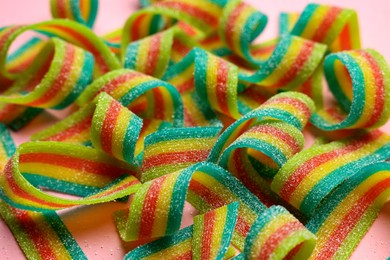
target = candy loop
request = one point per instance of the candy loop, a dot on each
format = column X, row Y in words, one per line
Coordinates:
column 269, row 145
column 28, row 226
column 162, row 102
column 240, row 24
column 201, row 14
column 336, row 27
column 70, row 31
column 63, row 72
column 81, row 11
column 277, row 234
column 359, row 82
column 114, row 129
column 291, row 64
column 150, row 55
column 291, row 107
column 311, row 175
column 82, row 167
column 172, row 149
column 346, row 215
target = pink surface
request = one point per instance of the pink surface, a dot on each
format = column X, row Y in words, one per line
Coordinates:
column 92, row 226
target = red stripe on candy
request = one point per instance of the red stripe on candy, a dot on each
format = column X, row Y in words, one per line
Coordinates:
column 221, row 88
column 110, row 120
column 75, row 129
column 159, row 104
column 37, row 236
column 206, row 194
column 291, row 101
column 192, row 10
column 242, row 227
column 274, row 240
column 153, row 54
column 326, row 24
column 135, row 35
column 379, row 89
column 114, row 83
column 229, row 31
column 60, row 80
column 175, row 157
column 19, row 192
column 303, row 56
column 149, row 207
column 83, row 165
column 61, row 8
column 208, row 227
column 285, row 137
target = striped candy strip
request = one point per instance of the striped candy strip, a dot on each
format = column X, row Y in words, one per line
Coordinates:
column 81, row 11
column 239, row 25
column 67, row 30
column 359, row 81
column 291, row 107
column 177, row 246
column 183, row 75
column 67, row 168
column 156, row 101
column 150, row 55
column 292, row 62
column 336, row 27
column 213, row 232
column 287, row 22
column 20, row 59
column 216, row 81
column 257, row 155
column 206, row 187
column 56, row 78
column 159, row 99
column 114, row 129
column 16, row 116
column 172, row 149
column 277, row 234
column 346, row 215
column 270, row 145
column 307, row 178
column 202, row 14
column 182, row 245
column 40, row 235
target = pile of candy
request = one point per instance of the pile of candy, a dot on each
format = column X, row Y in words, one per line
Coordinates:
column 180, row 106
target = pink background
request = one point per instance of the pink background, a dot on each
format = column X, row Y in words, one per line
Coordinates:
column 92, row 226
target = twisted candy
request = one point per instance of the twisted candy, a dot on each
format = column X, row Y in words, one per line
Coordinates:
column 82, row 11
column 336, row 27
column 307, row 178
column 358, row 80
column 40, row 235
column 346, row 215
column 85, row 171
column 153, row 99
column 276, row 234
